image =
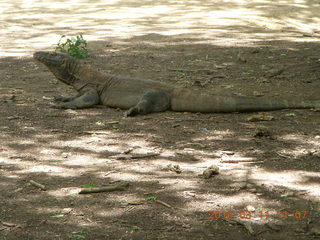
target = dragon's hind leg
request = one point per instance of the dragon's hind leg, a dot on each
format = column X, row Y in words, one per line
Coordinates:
column 152, row 101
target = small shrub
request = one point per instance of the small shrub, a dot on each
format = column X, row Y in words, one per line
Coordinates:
column 151, row 197
column 75, row 47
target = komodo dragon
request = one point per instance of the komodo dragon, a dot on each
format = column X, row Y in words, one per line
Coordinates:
column 146, row 96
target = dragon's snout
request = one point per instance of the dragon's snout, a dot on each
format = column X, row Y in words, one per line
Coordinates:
column 47, row 57
column 51, row 57
column 43, row 54
column 37, row 55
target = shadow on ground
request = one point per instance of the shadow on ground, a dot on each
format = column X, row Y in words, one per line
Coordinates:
column 276, row 176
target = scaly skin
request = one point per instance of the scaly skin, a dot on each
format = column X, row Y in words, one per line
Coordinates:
column 141, row 96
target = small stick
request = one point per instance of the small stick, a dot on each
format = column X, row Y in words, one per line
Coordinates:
column 192, row 70
column 128, row 151
column 145, row 155
column 108, row 173
column 42, row 187
column 282, row 155
column 95, row 132
column 164, row 204
column 129, row 209
column 120, row 186
column 126, row 157
column 112, row 122
column 6, row 224
column 239, row 161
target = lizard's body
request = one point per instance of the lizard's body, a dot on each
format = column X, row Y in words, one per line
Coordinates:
column 141, row 96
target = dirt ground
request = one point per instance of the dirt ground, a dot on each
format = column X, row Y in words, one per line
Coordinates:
column 268, row 186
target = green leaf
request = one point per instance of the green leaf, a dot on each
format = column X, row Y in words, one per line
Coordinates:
column 136, row 228
column 284, row 195
column 290, row 115
column 249, row 71
column 151, row 197
column 77, row 236
column 75, row 46
column 227, row 86
column 99, row 123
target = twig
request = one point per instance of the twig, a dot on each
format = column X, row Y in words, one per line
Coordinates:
column 120, row 186
column 112, row 122
column 129, row 209
column 282, row 155
column 164, row 204
column 145, row 155
column 95, row 132
column 6, row 224
column 192, row 70
column 239, row 161
column 128, row 151
column 108, row 173
column 34, row 183
column 126, row 157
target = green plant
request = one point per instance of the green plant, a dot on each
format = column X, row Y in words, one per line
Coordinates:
column 291, row 115
column 75, row 47
column 75, row 235
column 135, row 228
column 151, row 197
column 99, row 123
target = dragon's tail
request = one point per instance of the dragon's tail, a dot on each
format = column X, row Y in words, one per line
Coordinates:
column 193, row 101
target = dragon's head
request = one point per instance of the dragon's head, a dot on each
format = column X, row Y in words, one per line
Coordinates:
column 60, row 64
